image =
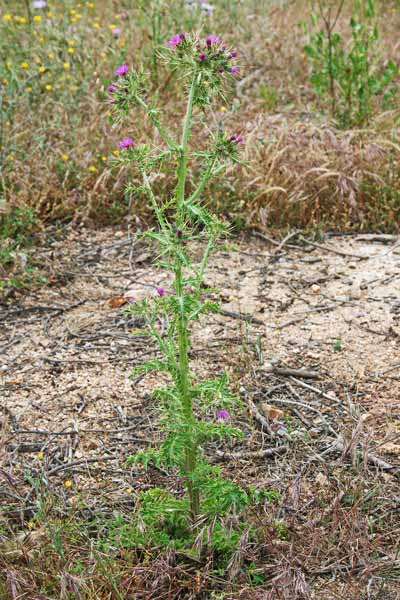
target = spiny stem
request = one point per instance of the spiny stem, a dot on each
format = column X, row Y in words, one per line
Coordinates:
column 156, row 208
column 191, row 447
column 151, row 113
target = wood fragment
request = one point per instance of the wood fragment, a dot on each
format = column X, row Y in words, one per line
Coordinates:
column 287, row 371
column 241, row 316
column 253, row 453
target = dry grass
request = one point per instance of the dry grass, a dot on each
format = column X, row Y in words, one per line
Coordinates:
column 301, row 171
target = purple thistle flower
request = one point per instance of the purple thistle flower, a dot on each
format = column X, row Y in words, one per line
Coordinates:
column 232, row 54
column 131, row 300
column 116, row 31
column 111, row 88
column 221, row 69
column 234, row 70
column 126, row 142
column 236, row 139
column 223, row 415
column 121, row 70
column 177, row 39
column 179, row 233
column 160, row 291
column 202, row 57
column 213, row 39
column 39, row 4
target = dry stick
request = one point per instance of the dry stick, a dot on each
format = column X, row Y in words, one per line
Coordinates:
column 302, row 404
column 283, row 243
column 263, row 421
column 265, row 238
column 295, row 372
column 375, row 460
column 253, row 453
column 241, row 316
column 314, row 389
column 392, row 368
column 330, row 249
column 77, row 463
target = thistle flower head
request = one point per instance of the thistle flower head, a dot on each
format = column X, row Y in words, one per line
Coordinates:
column 236, row 139
column 177, row 39
column 234, row 70
column 116, row 31
column 160, row 291
column 111, row 88
column 121, row 70
column 126, row 142
column 223, row 415
column 213, row 39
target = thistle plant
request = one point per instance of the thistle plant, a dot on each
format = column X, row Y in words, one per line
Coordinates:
column 191, row 411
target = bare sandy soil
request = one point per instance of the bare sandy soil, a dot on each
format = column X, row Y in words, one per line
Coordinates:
column 328, row 310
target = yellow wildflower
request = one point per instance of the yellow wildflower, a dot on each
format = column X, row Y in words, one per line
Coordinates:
column 66, row 65
column 37, row 18
column 7, row 17
column 5, row 81
column 49, row 14
column 68, row 483
column 92, row 169
column 41, row 69
column 72, row 11
column 24, row 65
column 103, row 54
column 41, row 39
column 112, row 26
column 116, row 152
column 29, row 89
column 104, row 158
column 49, row 87
column 90, row 5
column 71, row 50
column 50, row 55
column 96, row 25
column 65, row 157
column 40, row 455
column 31, row 524
column 78, row 16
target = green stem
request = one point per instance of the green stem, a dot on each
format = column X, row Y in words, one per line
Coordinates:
column 205, row 179
column 205, row 258
column 156, row 208
column 191, row 446
column 156, row 122
column 183, row 155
